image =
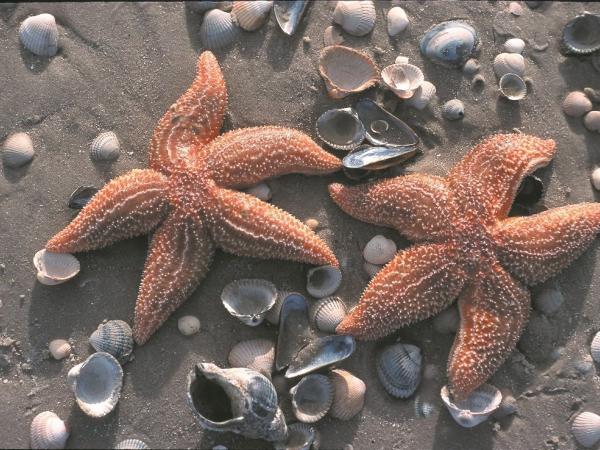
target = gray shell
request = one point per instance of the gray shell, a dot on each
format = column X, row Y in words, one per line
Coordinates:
column 586, row 428
column 218, row 30
column 327, row 313
column 514, row 45
column 202, row 6
column 581, row 35
column 301, row 436
column 294, row 329
column 105, row 147
column 39, row 35
column 449, row 43
column 379, row 157
column 248, row 300
column 255, row 354
column 595, row 347
column 133, row 444
column 509, row 63
column 471, row 67
column 320, row 353
column 81, row 196
column 422, row 96
column 476, row 408
column 48, row 431
column 272, row 315
column 399, row 369
column 592, row 121
column 312, row 398
column 341, row 129
column 251, row 15
column 512, row 86
column 396, row 132
column 355, row 17
column 453, row 110
column 323, row 281
column 576, row 104
column 114, row 337
column 289, row 13
column 17, row 150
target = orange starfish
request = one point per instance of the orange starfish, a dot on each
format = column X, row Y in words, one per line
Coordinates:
column 187, row 193
column 467, row 249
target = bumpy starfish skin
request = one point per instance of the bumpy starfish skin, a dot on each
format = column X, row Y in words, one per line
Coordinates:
column 187, row 195
column 468, row 249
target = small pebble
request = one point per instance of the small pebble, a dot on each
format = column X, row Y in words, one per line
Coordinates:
column 380, row 250
column 312, row 223
column 188, row 325
column 59, row 348
column 306, row 40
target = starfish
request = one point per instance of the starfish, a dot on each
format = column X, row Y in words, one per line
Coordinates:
column 188, row 195
column 467, row 248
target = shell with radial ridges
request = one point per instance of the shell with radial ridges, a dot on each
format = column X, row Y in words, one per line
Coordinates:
column 255, row 354
column 355, row 17
column 312, row 398
column 48, row 431
column 586, row 429
column 423, row 96
column 595, row 347
column 251, row 15
column 399, row 369
column 323, row 281
column 514, row 45
column 348, row 394
column 476, row 408
column 55, row 268
column 380, row 250
column 17, row 150
column 105, row 147
column 346, row 71
column 39, row 34
column 132, row 444
column 397, row 21
column 453, row 110
column 218, row 30
column 327, row 313
column 115, row 338
column 249, row 299
column 576, row 104
column 509, row 63
column 592, row 121
column 59, row 349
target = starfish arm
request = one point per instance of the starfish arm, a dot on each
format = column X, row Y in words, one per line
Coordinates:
column 493, row 313
column 246, row 226
column 194, row 120
column 537, row 247
column 179, row 256
column 130, row 205
column 417, row 205
column 244, row 157
column 485, row 182
column 418, row 283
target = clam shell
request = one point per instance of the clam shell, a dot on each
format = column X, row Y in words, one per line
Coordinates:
column 476, row 408
column 249, row 299
column 576, row 104
column 332, row 36
column 320, row 353
column 595, row 347
column 48, row 431
column 356, row 17
column 105, row 147
column 348, row 394
column 399, row 369
column 301, row 436
column 204, row 5
column 251, row 15
column 379, row 250
column 323, row 281
column 218, row 30
column 586, row 428
column 592, row 121
column 395, row 133
column 471, row 66
column 595, row 178
column 582, row 34
column 132, row 444
column 341, row 129
column 115, row 338
column 312, row 398
column 346, row 71
column 59, row 348
column 453, row 110
column 402, row 79
column 422, row 96
column 272, row 315
column 294, row 329
column 255, row 354
column 447, row 321
column 97, row 384
column 327, row 313
column 188, row 325
column 509, row 63
column 289, row 13
column 512, row 86
column 81, row 196
column 55, row 268
column 17, row 150
column 262, row 191
column 397, row 21
column 378, row 158
column 548, row 300
column 39, row 35
column 514, row 45
column 449, row 43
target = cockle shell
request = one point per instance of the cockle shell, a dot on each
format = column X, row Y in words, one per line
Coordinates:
column 380, row 250
column 327, row 313
column 586, row 428
column 312, row 398
column 251, row 15
column 447, row 321
column 113, row 337
column 355, row 17
column 348, row 394
column 346, row 71
column 595, row 347
column 319, row 353
column 262, row 191
column 478, row 81
column 399, row 369
column 272, row 315
column 576, row 104
column 592, row 121
column 341, row 129
column 453, row 110
column 474, row 409
column 471, row 66
column 39, row 35
column 397, row 21
column 423, row 408
column 132, row 444
column 255, row 354
column 323, row 281
column 217, row 29
column 595, row 178
column 249, row 299
column 105, row 147
column 449, row 43
column 59, row 348
column 582, row 34
column 188, row 325
column 509, row 63
column 48, row 431
column 17, row 150
column 402, row 79
column 514, row 45
column 422, row 96
column 512, row 86
column 301, row 436
column 55, row 268
column 332, row 36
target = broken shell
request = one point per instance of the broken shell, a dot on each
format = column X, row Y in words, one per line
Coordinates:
column 397, row 21
column 447, row 321
column 323, row 281
column 249, row 299
column 582, row 34
column 48, row 431
column 378, row 158
column 586, row 428
column 261, row 191
column 59, row 348
column 549, row 300
column 332, row 36
column 595, row 178
column 294, row 329
column 348, row 394
column 399, row 369
column 321, row 352
column 217, row 30
column 113, row 337
column 514, row 45
column 188, row 325
column 346, row 71
column 327, row 313
column 81, row 196
column 55, row 268
column 312, row 398
column 255, row 354
column 512, row 87
column 595, row 347
column 97, row 384
column 39, row 35
column 289, row 13
column 251, row 15
column 422, row 96
column 402, row 79
column 380, row 250
column 449, row 43
column 17, row 150
column 396, row 133
column 105, row 147
column 592, row 121
column 453, row 110
column 301, row 436
column 509, row 63
column 355, row 17
column 132, row 444
column 476, row 408
column 576, row 104
column 341, row 129
column 238, row 400
column 471, row 66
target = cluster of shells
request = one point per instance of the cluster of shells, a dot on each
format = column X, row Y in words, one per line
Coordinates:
column 580, row 104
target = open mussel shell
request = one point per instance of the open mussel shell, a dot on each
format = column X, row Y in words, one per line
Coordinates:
column 323, row 281
column 114, row 337
column 341, row 129
column 348, row 394
column 312, row 398
column 97, row 384
column 81, row 196
column 327, row 313
column 218, row 30
column 355, row 17
column 301, row 436
column 132, row 444
column 251, row 15
column 402, row 79
column 289, row 13
column 255, row 354
column 320, row 353
column 294, row 329
column 399, row 369
column 586, row 429
column 346, row 71
column 249, row 299
column 48, row 431
column 378, row 158
column 39, row 34
column 55, row 268
column 582, row 34
column 449, row 43
column 17, row 150
column 105, row 147
column 238, row 400
column 476, row 408
column 512, row 86
column 382, row 127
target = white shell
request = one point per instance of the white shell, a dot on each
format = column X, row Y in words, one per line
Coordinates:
column 595, row 347
column 188, row 325
column 355, row 17
column 576, row 104
column 17, row 150
column 323, row 281
column 251, row 15
column 346, row 71
column 48, row 431
column 476, row 408
column 447, row 321
column 105, row 147
column 397, row 21
column 371, row 269
column 380, row 250
column 402, row 79
column 595, row 178
column 312, row 398
column 401, row 59
column 327, row 313
column 422, row 96
column 39, row 34
column 255, row 354
column 131, row 444
column 261, row 191
column 512, row 86
column 332, row 36
column 509, row 63
column 515, row 9
column 592, row 121
column 217, row 29
column 399, row 369
column 471, row 66
column 453, row 110
column 311, row 223
column 59, row 348
column 548, row 300
column 514, row 45
column 248, row 300
column 586, row 428
column 55, row 268
column 348, row 394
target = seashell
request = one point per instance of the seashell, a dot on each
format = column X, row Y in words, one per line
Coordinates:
column 17, row 150
column 301, row 436
column 218, row 30
column 319, row 353
column 48, row 431
column 584, row 366
column 422, row 96
column 327, row 313
column 115, row 338
column 371, row 269
column 188, row 325
column 530, row 191
column 402, row 79
column 509, row 63
column 396, row 133
column 549, row 300
column 311, row 223
column 582, row 34
column 508, row 406
column 341, row 129
column 346, row 71
column 401, row 60
column 59, row 348
column 312, row 398
column 478, row 81
column 204, row 5
column 249, row 299
column 255, row 354
column 449, row 43
column 251, row 15
column 238, row 400
column 262, row 191
column 81, row 196
column 474, row 409
column 471, row 67
column 378, row 158
column 356, row 17
column 97, row 384
column 132, row 444
column 512, row 86
column 399, row 369
column 39, row 35
column 348, row 394
column 323, row 281
column 514, row 45
column 55, row 268
column 592, row 94
column 447, row 321
column 380, row 250
column 397, row 21
column 576, row 104
column 332, row 36
column 595, row 347
column 272, row 315
column 423, row 408
column 595, row 178
column 586, row 428
column 515, row 9
column 592, row 121
column 105, row 147
column 289, row 13
column 294, row 329
column 453, row 110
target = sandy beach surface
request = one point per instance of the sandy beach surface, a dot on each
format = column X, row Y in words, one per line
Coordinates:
column 119, row 66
